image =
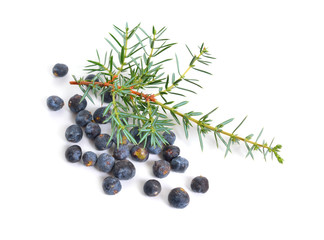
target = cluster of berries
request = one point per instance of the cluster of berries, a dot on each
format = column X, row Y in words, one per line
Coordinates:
column 117, row 164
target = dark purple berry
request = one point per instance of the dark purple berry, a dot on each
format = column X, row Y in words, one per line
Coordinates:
column 92, row 130
column 151, row 148
column 99, row 115
column 83, row 118
column 73, row 153
column 200, row 184
column 105, row 162
column 101, row 141
column 179, row 164
column 122, row 139
column 161, row 168
column 124, row 170
column 55, row 103
column 60, row 70
column 170, row 137
column 73, row 133
column 139, row 153
column 89, row 158
column 152, row 187
column 75, row 105
column 178, row 198
column 107, row 96
column 121, row 152
column 135, row 134
column 90, row 77
column 170, row 151
column 111, row 185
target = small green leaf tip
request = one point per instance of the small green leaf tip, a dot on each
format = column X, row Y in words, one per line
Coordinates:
column 275, row 150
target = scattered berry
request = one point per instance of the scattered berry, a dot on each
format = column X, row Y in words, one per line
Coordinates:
column 170, row 151
column 105, row 162
column 135, row 134
column 73, row 133
column 124, row 170
column 178, row 198
column 107, row 96
column 122, row 141
column 89, row 158
column 83, row 118
column 55, row 103
column 121, row 152
column 179, row 164
column 90, row 77
column 101, row 141
column 161, row 168
column 120, row 168
column 139, row 153
column 111, row 185
column 152, row 187
column 92, row 130
column 200, row 184
column 99, row 117
column 170, row 137
column 75, row 105
column 60, row 70
column 73, row 153
column 151, row 148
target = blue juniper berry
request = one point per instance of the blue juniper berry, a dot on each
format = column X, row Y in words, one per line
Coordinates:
column 153, row 149
column 105, row 162
column 122, row 141
column 83, row 118
column 107, row 97
column 89, row 158
column 101, row 141
column 135, row 134
column 55, row 103
column 170, row 151
column 90, row 77
column 170, row 137
column 178, row 198
column 73, row 153
column 161, row 168
column 121, row 152
column 99, row 117
column 111, row 185
column 200, row 184
column 139, row 153
column 60, row 70
column 92, row 130
column 124, row 169
column 152, row 187
column 179, row 164
column 75, row 105
column 73, row 133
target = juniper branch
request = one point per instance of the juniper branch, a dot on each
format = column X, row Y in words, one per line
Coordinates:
column 144, row 108
column 214, row 129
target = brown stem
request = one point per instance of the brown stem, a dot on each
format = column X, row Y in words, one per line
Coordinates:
column 147, row 97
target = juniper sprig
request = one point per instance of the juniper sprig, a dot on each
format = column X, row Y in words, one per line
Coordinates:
column 134, row 65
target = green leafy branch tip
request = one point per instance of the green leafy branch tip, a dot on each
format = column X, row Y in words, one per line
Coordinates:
column 133, row 65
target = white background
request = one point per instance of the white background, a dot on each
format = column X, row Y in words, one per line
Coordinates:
column 269, row 66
